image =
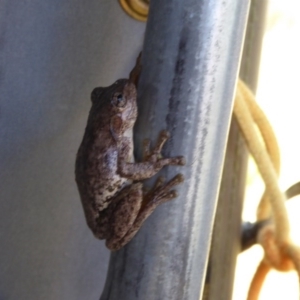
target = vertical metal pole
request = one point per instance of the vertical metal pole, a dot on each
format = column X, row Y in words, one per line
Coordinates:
column 190, row 64
column 226, row 240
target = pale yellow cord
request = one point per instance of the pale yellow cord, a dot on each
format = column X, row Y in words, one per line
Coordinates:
column 265, row 166
column 280, row 252
column 271, row 144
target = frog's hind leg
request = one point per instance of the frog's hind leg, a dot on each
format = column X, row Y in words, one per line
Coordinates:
column 161, row 193
column 125, row 211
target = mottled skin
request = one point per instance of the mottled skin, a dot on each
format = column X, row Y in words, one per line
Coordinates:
column 113, row 199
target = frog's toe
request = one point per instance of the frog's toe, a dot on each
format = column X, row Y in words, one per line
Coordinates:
column 165, row 135
column 159, row 182
column 179, row 178
column 181, row 161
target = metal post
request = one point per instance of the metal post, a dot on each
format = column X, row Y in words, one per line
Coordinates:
column 226, row 242
column 190, row 64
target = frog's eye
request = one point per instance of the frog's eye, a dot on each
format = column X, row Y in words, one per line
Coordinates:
column 118, row 100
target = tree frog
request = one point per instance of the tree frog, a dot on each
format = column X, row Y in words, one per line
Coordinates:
column 108, row 179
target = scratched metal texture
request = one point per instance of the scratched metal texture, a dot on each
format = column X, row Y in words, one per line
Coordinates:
column 226, row 242
column 190, row 63
column 52, row 54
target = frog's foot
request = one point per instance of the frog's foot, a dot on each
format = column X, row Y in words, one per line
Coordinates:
column 156, row 152
column 161, row 193
column 155, row 155
column 163, row 137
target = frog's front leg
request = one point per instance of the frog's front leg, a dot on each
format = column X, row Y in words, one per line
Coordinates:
column 152, row 163
column 130, row 213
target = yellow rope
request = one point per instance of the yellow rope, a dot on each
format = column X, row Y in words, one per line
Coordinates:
column 265, row 128
column 280, row 252
column 265, row 166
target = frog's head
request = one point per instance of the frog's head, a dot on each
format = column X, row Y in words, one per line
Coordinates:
column 118, row 103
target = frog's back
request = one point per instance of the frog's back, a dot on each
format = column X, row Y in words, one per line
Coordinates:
column 96, row 172
column 97, row 158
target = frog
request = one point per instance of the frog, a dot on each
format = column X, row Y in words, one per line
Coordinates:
column 109, row 180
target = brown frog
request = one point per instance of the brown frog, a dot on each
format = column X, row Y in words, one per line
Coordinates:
column 107, row 176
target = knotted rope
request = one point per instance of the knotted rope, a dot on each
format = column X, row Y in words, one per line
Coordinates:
column 280, row 252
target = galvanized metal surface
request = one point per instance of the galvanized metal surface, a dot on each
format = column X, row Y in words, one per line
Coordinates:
column 253, row 43
column 226, row 243
column 190, row 63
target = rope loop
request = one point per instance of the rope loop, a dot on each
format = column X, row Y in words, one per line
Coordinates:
column 280, row 252
column 275, row 253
